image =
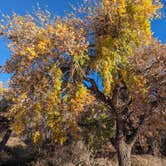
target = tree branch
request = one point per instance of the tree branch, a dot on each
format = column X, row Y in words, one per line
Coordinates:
column 143, row 119
column 99, row 95
column 95, row 90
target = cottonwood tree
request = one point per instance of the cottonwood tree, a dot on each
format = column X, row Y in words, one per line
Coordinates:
column 47, row 62
column 50, row 59
column 4, row 121
column 129, row 90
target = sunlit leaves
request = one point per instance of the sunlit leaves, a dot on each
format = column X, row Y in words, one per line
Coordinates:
column 36, row 136
column 40, row 49
column 81, row 99
column 121, row 25
column 50, row 58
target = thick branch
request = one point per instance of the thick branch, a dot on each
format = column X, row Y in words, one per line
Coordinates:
column 147, row 68
column 95, row 90
column 136, row 132
column 99, row 95
column 143, row 119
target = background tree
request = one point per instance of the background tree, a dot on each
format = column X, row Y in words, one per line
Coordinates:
column 50, row 59
column 4, row 121
column 47, row 61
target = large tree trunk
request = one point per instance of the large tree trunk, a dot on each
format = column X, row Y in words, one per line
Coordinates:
column 124, row 153
column 123, row 149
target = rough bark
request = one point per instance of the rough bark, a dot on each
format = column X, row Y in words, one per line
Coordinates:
column 123, row 149
column 124, row 154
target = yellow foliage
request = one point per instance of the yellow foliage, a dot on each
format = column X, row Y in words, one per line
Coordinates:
column 128, row 23
column 18, row 127
column 62, row 28
column 82, row 98
column 31, row 53
column 36, row 136
column 50, row 59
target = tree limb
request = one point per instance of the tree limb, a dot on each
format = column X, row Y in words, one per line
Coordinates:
column 143, row 119
column 95, row 90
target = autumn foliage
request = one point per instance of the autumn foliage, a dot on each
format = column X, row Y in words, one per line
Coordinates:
column 51, row 59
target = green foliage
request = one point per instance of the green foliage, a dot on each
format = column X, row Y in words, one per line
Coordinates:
column 122, row 26
column 98, row 128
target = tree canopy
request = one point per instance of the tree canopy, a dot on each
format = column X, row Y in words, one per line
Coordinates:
column 51, row 58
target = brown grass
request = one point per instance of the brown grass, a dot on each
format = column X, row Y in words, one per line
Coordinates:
column 75, row 154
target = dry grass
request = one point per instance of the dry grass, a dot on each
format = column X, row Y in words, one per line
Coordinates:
column 141, row 160
column 75, row 154
column 147, row 160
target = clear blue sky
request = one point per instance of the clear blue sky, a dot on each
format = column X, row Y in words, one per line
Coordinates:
column 57, row 7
